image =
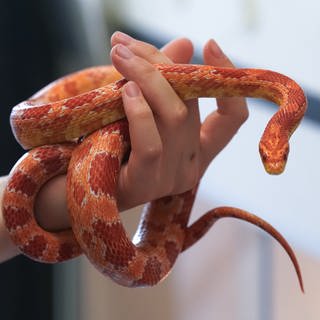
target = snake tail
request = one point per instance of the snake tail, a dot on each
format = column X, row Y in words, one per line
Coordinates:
column 198, row 229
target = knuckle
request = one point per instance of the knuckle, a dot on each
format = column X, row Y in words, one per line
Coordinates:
column 147, row 71
column 153, row 54
column 152, row 153
column 141, row 71
column 244, row 115
column 141, row 112
column 239, row 116
column 242, row 112
column 179, row 115
column 152, row 50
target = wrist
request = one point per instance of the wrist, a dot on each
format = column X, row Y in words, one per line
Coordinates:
column 51, row 206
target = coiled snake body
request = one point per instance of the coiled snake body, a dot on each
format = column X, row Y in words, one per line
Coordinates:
column 88, row 105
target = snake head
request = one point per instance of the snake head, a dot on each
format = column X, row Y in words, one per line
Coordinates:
column 274, row 158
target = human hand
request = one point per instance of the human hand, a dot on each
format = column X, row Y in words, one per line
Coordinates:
column 170, row 147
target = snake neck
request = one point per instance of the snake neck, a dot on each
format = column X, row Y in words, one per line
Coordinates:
column 272, row 86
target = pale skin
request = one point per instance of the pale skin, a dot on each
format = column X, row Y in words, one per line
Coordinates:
column 170, row 147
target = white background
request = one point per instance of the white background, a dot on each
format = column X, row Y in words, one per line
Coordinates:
column 278, row 35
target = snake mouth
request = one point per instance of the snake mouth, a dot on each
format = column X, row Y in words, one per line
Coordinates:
column 274, row 167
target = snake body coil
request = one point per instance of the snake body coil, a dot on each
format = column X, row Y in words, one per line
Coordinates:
column 88, row 104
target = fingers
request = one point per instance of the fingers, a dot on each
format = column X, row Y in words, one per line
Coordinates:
column 164, row 133
column 176, row 51
column 213, row 55
column 220, row 126
column 179, row 50
column 133, row 67
column 146, row 150
column 170, row 149
column 140, row 48
column 141, row 122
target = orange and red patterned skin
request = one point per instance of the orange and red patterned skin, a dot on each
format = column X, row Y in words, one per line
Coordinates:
column 26, row 178
column 88, row 104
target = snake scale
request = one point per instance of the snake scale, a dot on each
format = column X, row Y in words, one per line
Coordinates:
column 77, row 125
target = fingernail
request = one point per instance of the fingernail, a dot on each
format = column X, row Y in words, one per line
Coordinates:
column 215, row 49
column 124, row 52
column 123, row 37
column 131, row 89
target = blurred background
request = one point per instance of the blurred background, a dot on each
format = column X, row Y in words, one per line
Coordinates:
column 236, row 271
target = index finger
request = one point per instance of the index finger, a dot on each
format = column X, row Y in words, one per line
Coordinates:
column 176, row 51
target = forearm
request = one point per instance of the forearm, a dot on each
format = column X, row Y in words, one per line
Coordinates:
column 7, row 248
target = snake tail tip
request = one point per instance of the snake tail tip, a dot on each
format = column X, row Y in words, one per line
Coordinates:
column 301, row 285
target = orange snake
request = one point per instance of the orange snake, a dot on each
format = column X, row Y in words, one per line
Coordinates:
column 88, row 105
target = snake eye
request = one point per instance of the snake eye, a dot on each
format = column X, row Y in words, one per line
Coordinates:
column 285, row 153
column 285, row 156
column 263, row 155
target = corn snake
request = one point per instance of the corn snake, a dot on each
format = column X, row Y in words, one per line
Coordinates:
column 88, row 104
